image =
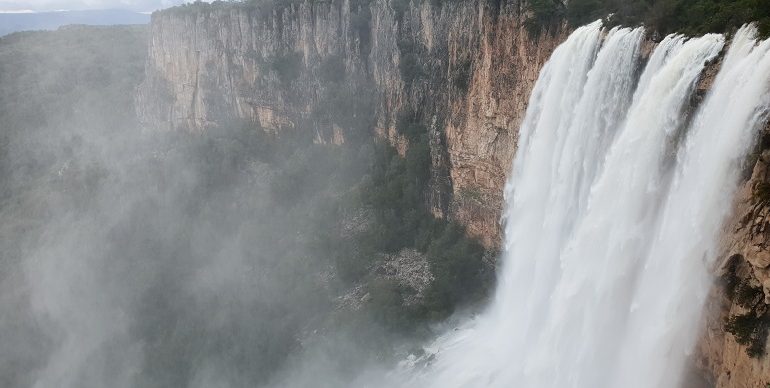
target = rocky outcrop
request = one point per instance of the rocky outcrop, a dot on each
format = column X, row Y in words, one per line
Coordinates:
column 483, row 126
column 482, row 63
column 463, row 69
column 743, row 287
column 270, row 66
column 408, row 269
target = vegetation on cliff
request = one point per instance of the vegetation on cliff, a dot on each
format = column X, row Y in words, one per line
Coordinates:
column 664, row 16
column 752, row 326
column 371, row 178
column 58, row 91
column 227, row 247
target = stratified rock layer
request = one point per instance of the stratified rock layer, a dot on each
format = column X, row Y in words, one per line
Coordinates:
column 277, row 65
column 478, row 64
column 746, row 258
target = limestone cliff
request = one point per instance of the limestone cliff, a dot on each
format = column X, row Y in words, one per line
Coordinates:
column 743, row 287
column 286, row 66
column 210, row 66
column 463, row 69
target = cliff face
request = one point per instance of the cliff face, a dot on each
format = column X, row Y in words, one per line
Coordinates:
column 482, row 64
column 743, row 286
column 209, row 67
column 463, row 69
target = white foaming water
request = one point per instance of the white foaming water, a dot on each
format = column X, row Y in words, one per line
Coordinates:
column 672, row 285
column 610, row 222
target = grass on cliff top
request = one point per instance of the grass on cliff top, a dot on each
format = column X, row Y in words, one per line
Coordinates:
column 694, row 17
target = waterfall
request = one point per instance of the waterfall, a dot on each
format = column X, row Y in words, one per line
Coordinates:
column 614, row 204
column 672, row 284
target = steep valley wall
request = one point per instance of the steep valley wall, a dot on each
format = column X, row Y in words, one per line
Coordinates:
column 464, row 69
column 476, row 65
column 742, row 287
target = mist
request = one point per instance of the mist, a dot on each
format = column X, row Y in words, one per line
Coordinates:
column 307, row 195
column 134, row 257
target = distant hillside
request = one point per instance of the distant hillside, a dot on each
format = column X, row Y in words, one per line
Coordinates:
column 12, row 22
column 58, row 91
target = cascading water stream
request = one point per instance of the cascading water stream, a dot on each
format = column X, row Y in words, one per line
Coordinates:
column 673, row 283
column 587, row 309
column 611, row 218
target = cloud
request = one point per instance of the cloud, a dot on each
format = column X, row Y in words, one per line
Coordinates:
column 52, row 5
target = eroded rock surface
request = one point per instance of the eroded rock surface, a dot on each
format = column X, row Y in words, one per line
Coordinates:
column 743, row 264
column 276, row 68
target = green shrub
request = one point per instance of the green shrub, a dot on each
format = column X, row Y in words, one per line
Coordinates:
column 459, row 271
column 395, row 189
column 748, row 296
column 751, row 331
column 580, row 12
column 742, row 327
column 387, row 304
column 546, row 10
column 666, row 16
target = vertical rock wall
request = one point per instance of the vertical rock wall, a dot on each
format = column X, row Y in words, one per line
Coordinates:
column 743, row 285
column 477, row 64
column 277, row 66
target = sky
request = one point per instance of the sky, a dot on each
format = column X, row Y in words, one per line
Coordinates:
column 54, row 5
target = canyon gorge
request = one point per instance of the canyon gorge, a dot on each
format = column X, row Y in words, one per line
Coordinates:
column 389, row 193
column 465, row 70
